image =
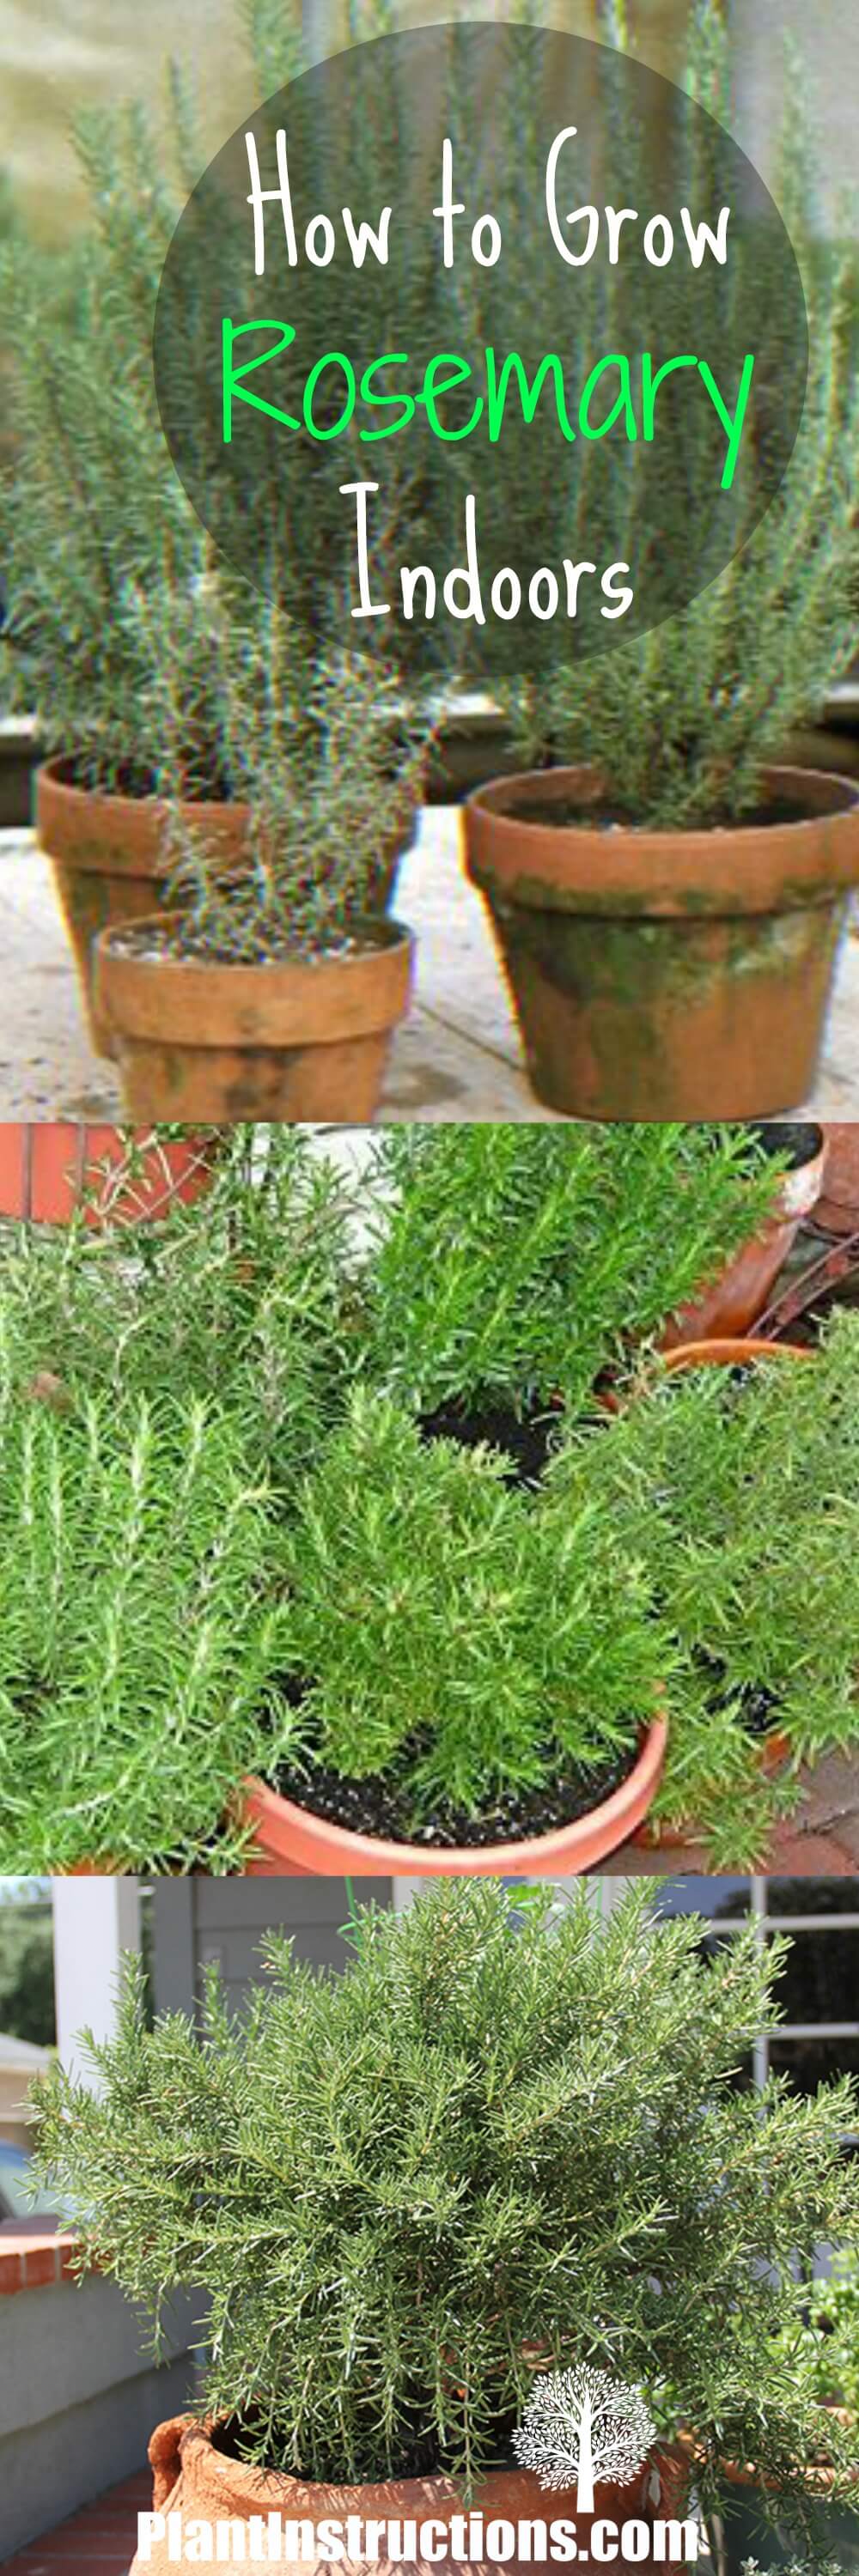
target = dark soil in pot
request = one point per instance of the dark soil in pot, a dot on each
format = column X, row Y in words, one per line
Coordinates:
column 384, row 1808
column 526, row 1439
column 757, row 1706
column 575, row 813
column 416, row 2457
column 796, row 1138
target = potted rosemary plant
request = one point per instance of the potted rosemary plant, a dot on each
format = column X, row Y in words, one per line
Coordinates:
column 508, row 2139
column 271, row 990
column 669, row 894
column 146, row 668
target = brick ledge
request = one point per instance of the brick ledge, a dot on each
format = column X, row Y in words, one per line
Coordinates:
column 34, row 2254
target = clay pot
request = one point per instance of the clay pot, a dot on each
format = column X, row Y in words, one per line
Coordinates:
column 301, row 1039
column 773, row 1750
column 666, row 974
column 741, row 1293
column 108, row 861
column 193, row 2479
column 290, row 1842
column 837, row 1208
column 47, row 1170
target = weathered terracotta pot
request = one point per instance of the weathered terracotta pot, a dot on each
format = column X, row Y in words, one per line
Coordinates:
column 773, row 1750
column 295, row 1040
column 109, row 865
column 666, row 974
column 290, row 1842
column 194, row 2480
column 107, row 854
column 47, row 1170
column 838, row 1206
column 741, row 1292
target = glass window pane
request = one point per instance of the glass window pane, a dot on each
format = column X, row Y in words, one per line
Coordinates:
column 821, row 1979
column 722, row 1899
column 810, row 2062
column 811, row 1896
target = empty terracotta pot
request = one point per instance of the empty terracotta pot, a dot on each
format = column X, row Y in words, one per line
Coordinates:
column 48, row 1169
column 666, row 974
column 290, row 1842
column 194, row 2480
column 741, row 1293
column 296, row 1039
column 107, row 854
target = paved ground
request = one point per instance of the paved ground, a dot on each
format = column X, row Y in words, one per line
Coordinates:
column 457, row 1056
column 822, row 1841
column 100, row 2541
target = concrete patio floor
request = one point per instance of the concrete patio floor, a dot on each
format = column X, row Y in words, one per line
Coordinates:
column 98, row 2541
column 456, row 1056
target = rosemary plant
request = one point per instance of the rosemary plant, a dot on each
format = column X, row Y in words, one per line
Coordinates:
column 512, row 1263
column 139, row 1650
column 743, row 1503
column 509, row 2131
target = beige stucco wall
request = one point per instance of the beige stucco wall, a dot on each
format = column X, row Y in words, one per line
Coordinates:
column 56, row 54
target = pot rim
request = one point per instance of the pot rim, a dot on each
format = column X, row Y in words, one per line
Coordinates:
column 367, row 1855
column 494, row 794
column 385, row 933
column 244, row 2483
column 111, row 800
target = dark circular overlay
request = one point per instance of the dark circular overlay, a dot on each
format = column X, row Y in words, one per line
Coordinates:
column 564, row 411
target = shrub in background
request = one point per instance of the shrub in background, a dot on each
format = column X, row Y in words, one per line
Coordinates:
column 242, row 1299
column 513, row 1263
column 509, row 2129
column 742, row 1500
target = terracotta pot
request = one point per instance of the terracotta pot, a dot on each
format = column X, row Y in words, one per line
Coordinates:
column 298, row 1040
column 192, row 2479
column 290, row 1842
column 47, row 1170
column 773, row 1750
column 838, row 1206
column 666, row 974
column 742, row 1291
column 108, row 862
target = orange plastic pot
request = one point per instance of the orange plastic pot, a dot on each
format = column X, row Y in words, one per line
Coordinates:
column 107, row 854
column 194, row 2480
column 48, row 1171
column 666, row 974
column 290, row 1842
column 295, row 1039
column 729, row 1352
column 741, row 1293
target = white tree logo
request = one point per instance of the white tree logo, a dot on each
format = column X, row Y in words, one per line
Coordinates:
column 581, row 2424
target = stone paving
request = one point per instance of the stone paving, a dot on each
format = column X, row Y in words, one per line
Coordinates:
column 456, row 1056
